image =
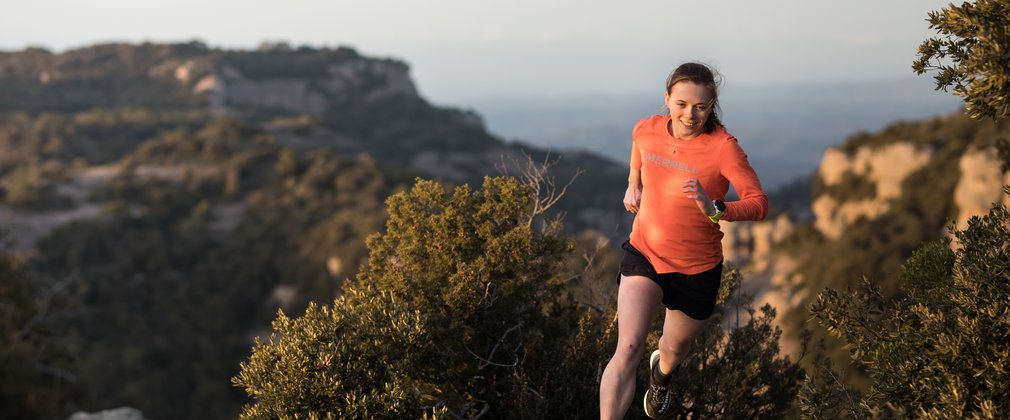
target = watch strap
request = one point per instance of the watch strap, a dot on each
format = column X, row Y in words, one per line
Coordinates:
column 719, row 211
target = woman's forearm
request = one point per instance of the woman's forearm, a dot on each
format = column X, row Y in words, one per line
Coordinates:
column 635, row 179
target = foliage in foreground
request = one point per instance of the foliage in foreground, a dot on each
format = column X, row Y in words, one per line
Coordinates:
column 461, row 313
column 942, row 350
column 458, row 312
column 975, row 37
column 734, row 369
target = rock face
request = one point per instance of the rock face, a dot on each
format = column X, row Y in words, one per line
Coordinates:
column 768, row 274
column 229, row 90
column 885, row 168
column 752, row 243
column 982, row 179
column 862, row 183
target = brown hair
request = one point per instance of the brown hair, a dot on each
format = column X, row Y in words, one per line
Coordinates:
column 703, row 75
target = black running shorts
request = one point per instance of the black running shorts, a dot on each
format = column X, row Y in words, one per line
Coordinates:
column 692, row 294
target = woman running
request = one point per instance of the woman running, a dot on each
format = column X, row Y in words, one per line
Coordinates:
column 681, row 167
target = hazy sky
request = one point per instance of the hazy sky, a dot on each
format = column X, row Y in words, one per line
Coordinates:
column 460, row 49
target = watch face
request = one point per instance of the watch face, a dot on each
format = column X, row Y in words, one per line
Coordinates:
column 720, row 205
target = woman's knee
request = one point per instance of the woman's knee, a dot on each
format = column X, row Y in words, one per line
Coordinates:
column 629, row 350
column 677, row 348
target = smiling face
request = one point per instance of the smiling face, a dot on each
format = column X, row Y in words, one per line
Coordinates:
column 690, row 106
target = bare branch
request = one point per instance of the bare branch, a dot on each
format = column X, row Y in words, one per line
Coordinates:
column 45, row 301
column 595, row 295
column 486, row 362
column 537, row 176
column 528, row 388
column 55, row 372
column 845, row 391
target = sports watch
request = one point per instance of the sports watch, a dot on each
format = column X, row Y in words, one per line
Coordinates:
column 720, row 209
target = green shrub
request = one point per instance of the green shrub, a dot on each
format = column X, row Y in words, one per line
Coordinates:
column 462, row 311
column 941, row 350
column 462, row 292
column 971, row 55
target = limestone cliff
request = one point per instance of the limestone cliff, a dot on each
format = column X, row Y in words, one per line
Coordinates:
column 274, row 79
column 883, row 168
column 980, row 185
column 886, row 168
column 876, row 198
column 230, row 90
column 752, row 244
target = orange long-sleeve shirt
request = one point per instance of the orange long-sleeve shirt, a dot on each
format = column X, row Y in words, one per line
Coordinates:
column 669, row 229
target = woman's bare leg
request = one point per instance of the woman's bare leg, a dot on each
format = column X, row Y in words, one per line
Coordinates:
column 679, row 330
column 638, row 299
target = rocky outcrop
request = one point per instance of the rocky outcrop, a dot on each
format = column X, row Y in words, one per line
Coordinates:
column 862, row 182
column 981, row 184
column 885, row 168
column 752, row 243
column 228, row 90
column 768, row 274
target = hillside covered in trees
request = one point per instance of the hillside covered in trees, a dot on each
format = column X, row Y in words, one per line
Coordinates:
column 161, row 202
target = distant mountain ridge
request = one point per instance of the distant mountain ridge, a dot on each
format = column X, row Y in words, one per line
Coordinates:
column 306, row 98
column 181, row 76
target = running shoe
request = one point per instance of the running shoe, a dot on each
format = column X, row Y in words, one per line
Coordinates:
column 658, row 397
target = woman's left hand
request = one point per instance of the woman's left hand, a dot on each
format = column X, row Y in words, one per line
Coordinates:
column 692, row 189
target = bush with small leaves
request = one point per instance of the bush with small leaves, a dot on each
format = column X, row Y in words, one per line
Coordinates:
column 940, row 351
column 976, row 40
column 458, row 311
column 461, row 312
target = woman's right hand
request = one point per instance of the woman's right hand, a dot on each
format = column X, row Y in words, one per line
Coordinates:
column 633, row 198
